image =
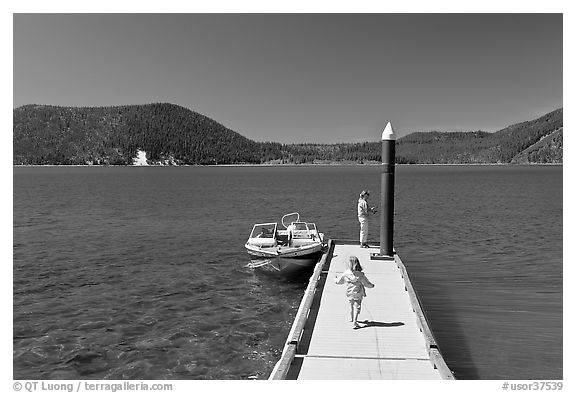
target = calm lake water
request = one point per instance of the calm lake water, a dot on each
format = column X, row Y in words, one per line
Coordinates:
column 140, row 273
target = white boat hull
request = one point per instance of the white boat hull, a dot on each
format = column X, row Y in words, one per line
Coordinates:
column 284, row 260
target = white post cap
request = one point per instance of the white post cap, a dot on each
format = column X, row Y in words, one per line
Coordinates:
column 388, row 133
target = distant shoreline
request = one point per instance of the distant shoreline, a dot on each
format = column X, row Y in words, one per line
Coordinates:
column 275, row 165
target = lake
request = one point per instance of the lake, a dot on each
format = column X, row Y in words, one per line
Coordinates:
column 140, row 272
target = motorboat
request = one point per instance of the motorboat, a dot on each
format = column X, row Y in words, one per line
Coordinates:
column 286, row 251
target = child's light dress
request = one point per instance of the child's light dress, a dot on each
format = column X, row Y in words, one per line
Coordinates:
column 355, row 282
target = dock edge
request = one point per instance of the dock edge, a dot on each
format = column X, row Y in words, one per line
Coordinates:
column 282, row 367
column 433, row 351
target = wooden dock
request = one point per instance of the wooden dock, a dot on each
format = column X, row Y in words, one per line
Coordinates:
column 394, row 342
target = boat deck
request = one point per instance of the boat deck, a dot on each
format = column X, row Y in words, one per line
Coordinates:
column 394, row 341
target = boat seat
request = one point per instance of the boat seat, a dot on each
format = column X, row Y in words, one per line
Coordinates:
column 282, row 239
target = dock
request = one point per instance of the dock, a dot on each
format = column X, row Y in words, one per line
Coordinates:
column 394, row 342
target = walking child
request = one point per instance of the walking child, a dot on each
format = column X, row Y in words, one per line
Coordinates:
column 355, row 281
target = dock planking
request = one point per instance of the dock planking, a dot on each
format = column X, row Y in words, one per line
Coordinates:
column 394, row 341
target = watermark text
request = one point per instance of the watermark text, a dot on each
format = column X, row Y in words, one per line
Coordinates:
column 85, row 386
column 535, row 386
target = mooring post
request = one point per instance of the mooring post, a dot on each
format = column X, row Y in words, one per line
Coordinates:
column 387, row 194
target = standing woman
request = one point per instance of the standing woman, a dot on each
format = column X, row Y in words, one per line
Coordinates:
column 363, row 210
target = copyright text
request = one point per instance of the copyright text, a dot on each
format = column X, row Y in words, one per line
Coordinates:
column 83, row 386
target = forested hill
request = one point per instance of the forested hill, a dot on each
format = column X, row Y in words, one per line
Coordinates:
column 113, row 135
column 173, row 135
column 535, row 141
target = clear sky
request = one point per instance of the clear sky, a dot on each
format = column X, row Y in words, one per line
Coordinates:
column 300, row 77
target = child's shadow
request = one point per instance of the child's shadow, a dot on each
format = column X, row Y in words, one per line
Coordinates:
column 367, row 324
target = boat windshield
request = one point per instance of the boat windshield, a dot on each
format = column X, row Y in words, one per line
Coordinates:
column 299, row 230
column 299, row 226
column 263, row 231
